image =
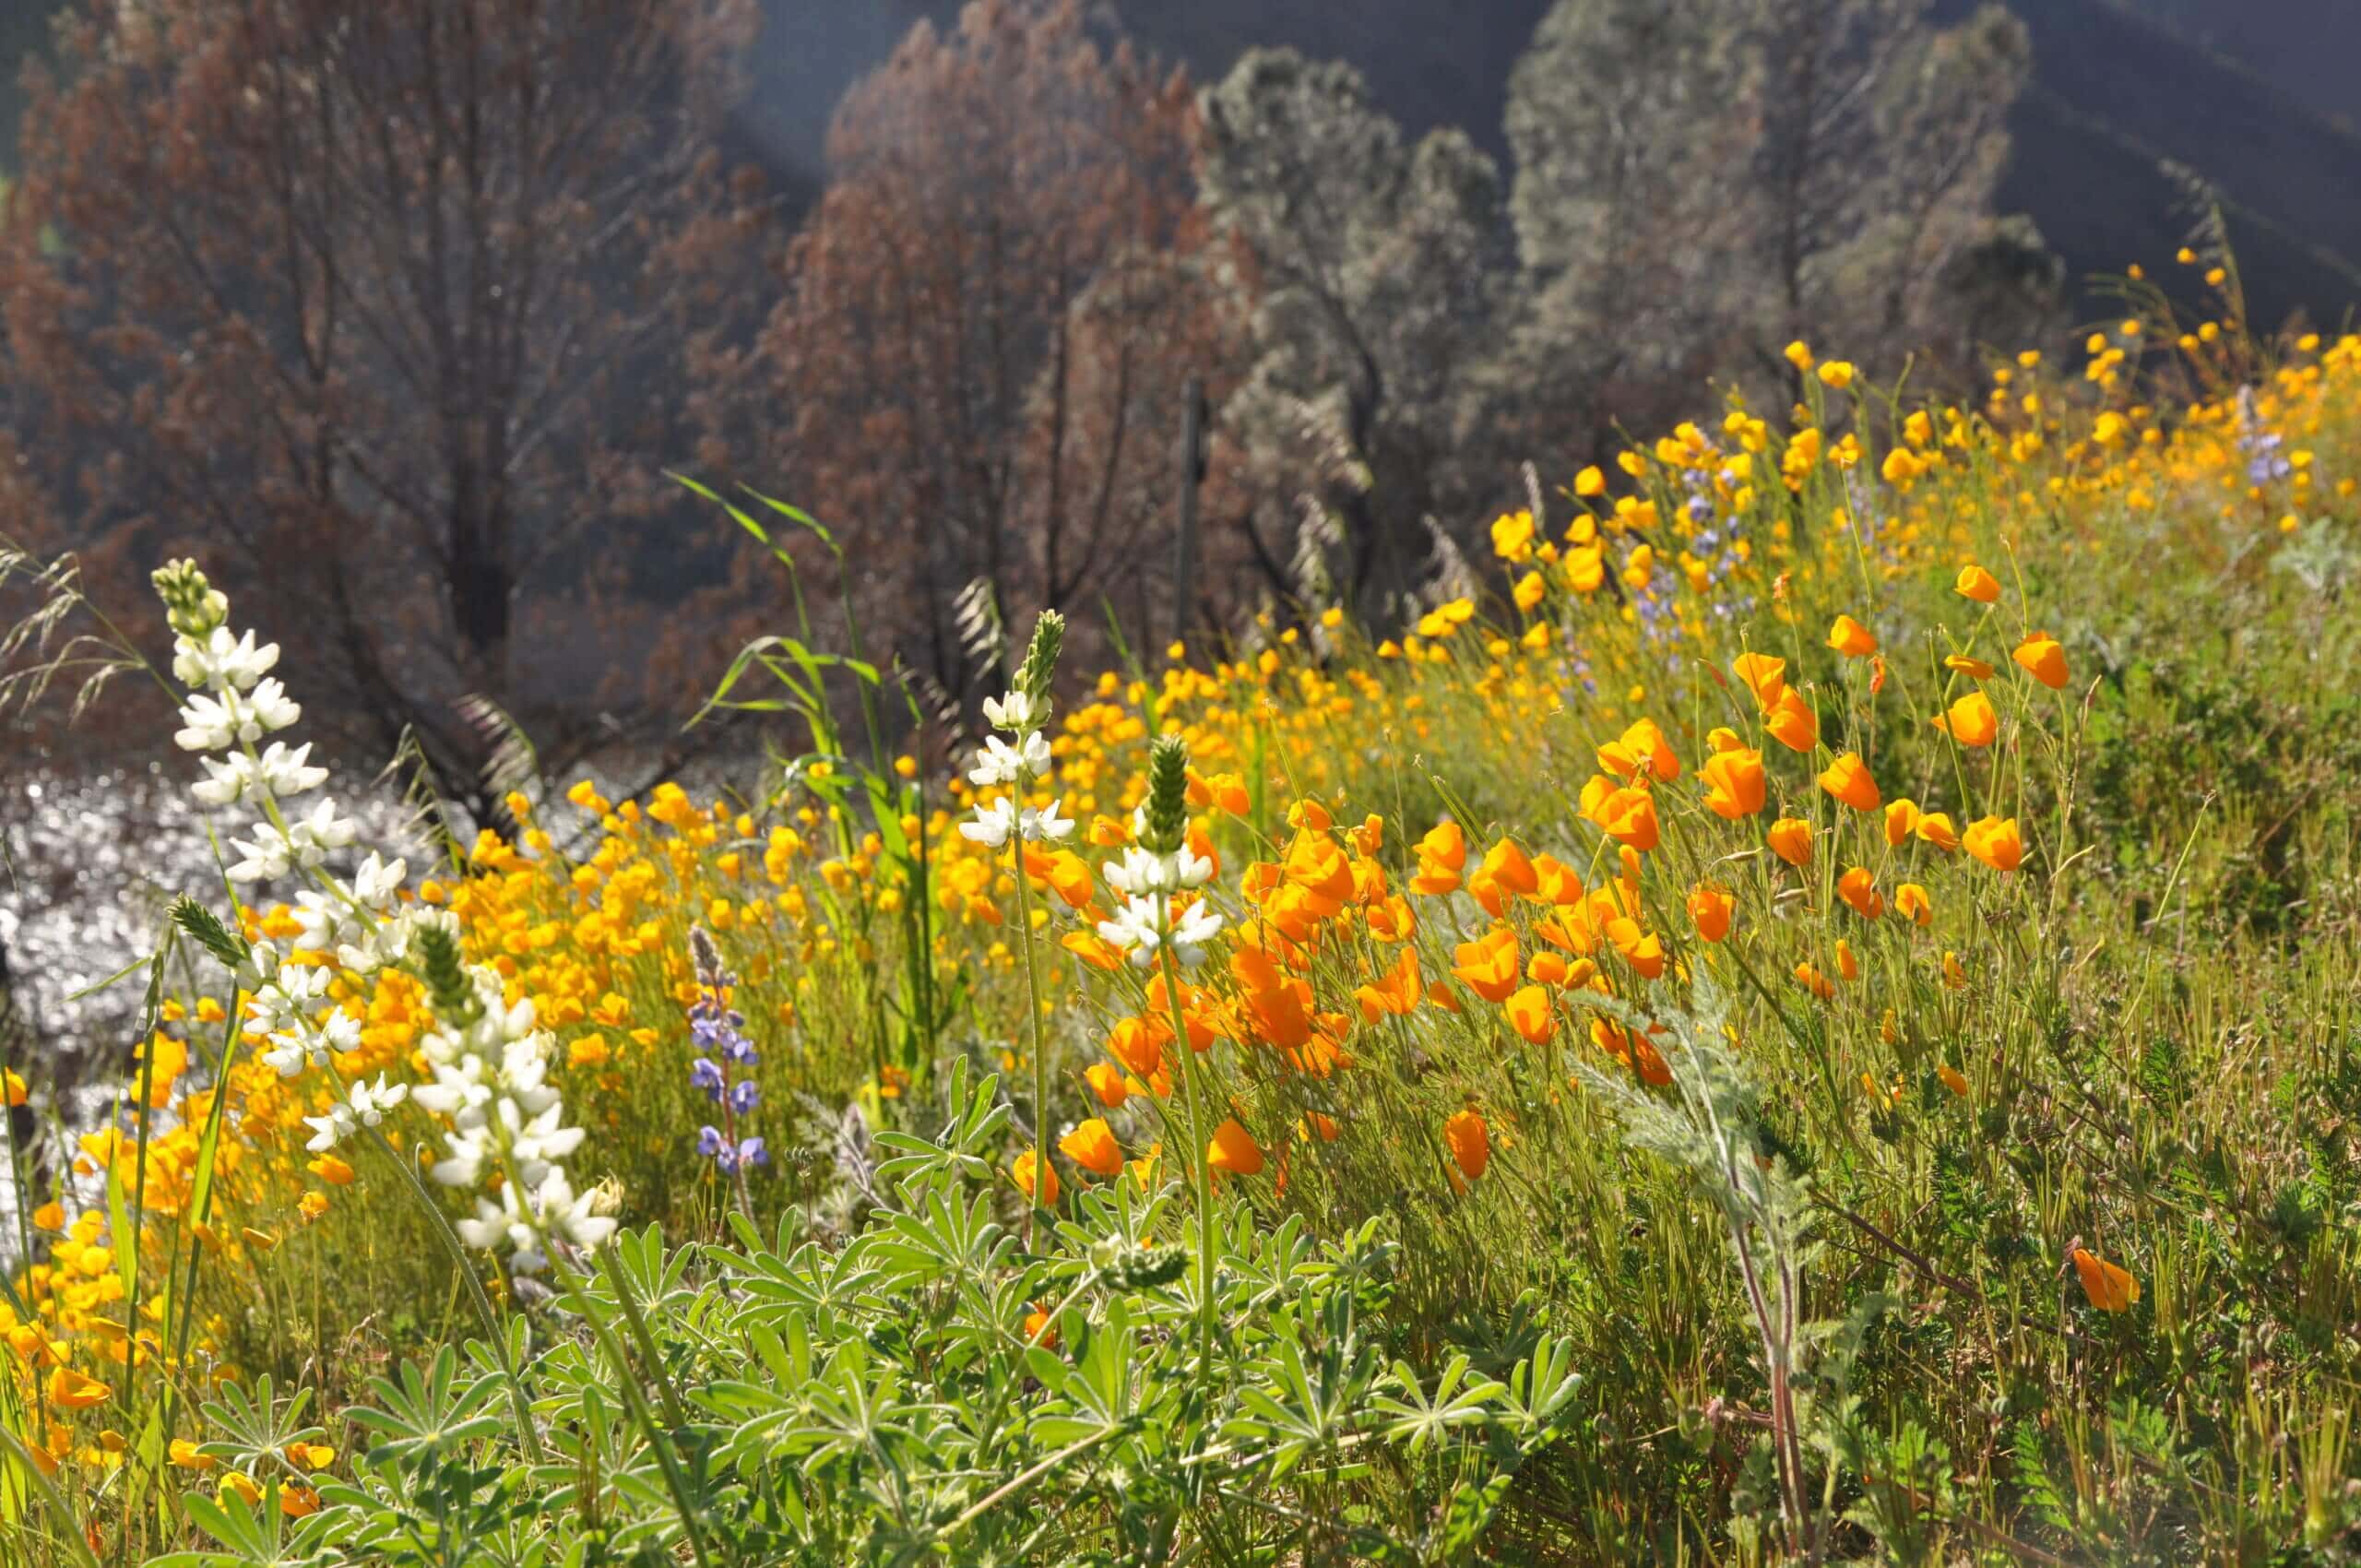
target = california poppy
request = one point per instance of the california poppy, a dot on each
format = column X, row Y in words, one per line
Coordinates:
column 1642, row 749
column 1630, row 816
column 1710, row 908
column 1996, row 842
column 1733, row 782
column 1232, row 1148
column 1858, row 888
column 1092, row 1145
column 1030, row 1165
column 2109, row 1286
column 1791, row 721
column 1972, row 720
column 1470, row 1142
column 1851, row 638
column 1441, row 854
column 1489, row 964
column 1531, row 1014
column 1847, row 778
column 1764, row 676
column 2040, row 657
column 1790, row 839
column 1978, row 584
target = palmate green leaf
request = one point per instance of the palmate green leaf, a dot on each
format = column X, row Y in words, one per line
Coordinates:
column 1541, row 1387
column 1097, row 1391
column 1458, row 1401
column 814, row 1279
column 425, row 1414
column 259, row 1425
column 255, row 1535
column 945, row 1238
column 976, row 1121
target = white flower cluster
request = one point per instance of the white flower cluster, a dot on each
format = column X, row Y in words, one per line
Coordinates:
column 1003, row 763
column 1158, row 866
column 232, row 705
column 490, row 1063
column 233, row 702
column 490, row 1080
column 1146, row 921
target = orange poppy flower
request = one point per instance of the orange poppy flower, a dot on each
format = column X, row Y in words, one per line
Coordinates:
column 1710, row 908
column 1791, row 721
column 1396, row 992
column 70, row 1390
column 1441, row 854
column 2040, row 657
column 1912, row 903
column 1030, row 1166
column 1972, row 720
column 1812, row 980
column 1532, row 1015
column 1643, row 950
column 1556, row 882
column 1936, row 828
column 1764, row 676
column 1488, row 964
column 1851, row 638
column 1630, row 816
column 1642, row 749
column 1847, row 778
column 1092, row 1145
column 1106, row 1084
column 1315, row 864
column 1233, row 1150
column 1734, row 783
column 1858, row 888
column 1790, row 839
column 1470, row 1143
column 1139, row 1045
column 2109, row 1286
column 1505, row 865
column 1978, row 584
column 1996, row 842
column 1901, row 821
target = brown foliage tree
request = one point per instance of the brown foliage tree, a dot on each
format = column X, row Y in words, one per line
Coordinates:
column 990, row 319
column 389, row 311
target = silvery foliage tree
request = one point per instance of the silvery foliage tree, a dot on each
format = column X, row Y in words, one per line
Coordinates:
column 1701, row 181
column 1630, row 164
column 1379, row 265
column 1884, row 142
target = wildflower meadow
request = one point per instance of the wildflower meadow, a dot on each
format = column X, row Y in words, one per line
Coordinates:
column 1804, row 1007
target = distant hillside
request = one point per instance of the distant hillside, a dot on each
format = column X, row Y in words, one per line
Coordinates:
column 2259, row 96
column 2115, row 93
column 2306, row 47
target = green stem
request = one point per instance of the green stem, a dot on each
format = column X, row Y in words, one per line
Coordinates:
column 1200, row 1166
column 70, row 1529
column 1033, row 1020
column 612, row 1270
column 485, row 1312
column 642, row 1417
